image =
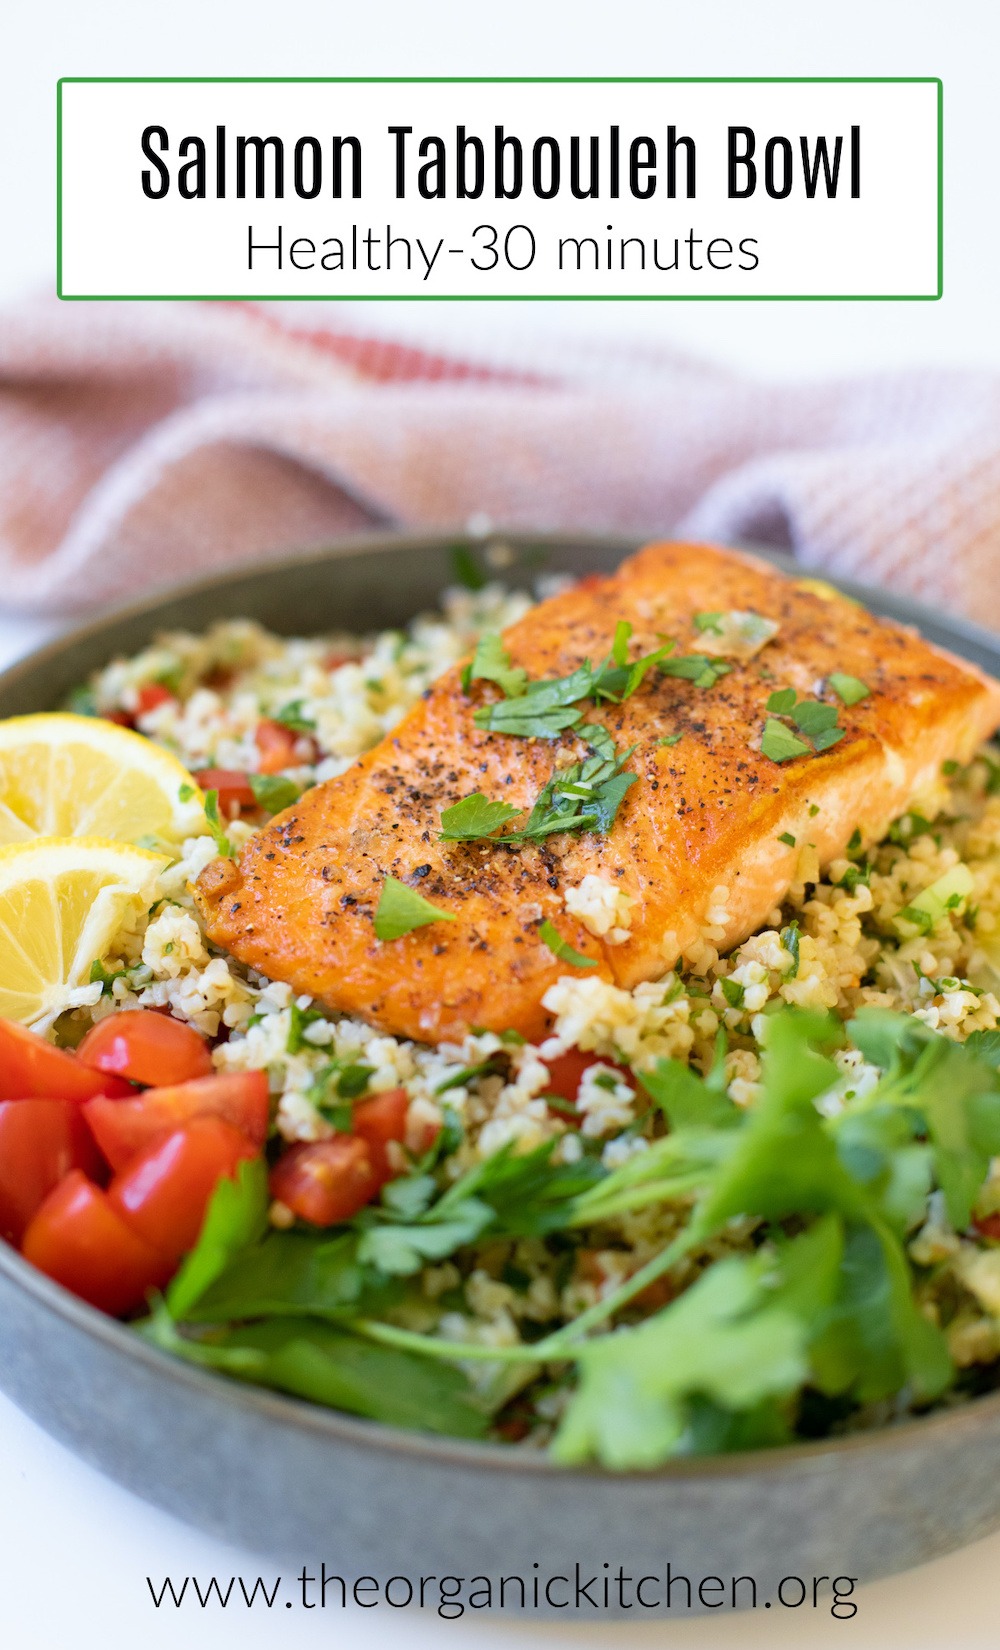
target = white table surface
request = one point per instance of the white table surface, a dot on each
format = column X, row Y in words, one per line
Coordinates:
column 75, row 1551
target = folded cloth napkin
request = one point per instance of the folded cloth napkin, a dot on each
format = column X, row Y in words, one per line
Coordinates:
column 144, row 443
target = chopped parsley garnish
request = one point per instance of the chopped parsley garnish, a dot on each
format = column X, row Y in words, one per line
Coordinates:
column 216, row 827
column 736, row 634
column 733, row 992
column 544, row 709
column 790, row 937
column 670, row 739
column 550, row 936
column 274, row 791
column 697, row 668
column 100, row 974
column 780, row 743
column 466, row 568
column 474, row 818
column 946, row 894
column 291, row 716
column 185, row 793
column 492, row 1066
column 950, row 767
column 814, row 720
column 849, row 690
column 583, row 797
column 708, row 621
column 491, row 663
column 300, row 1019
column 401, row 910
column 813, row 809
column 787, row 838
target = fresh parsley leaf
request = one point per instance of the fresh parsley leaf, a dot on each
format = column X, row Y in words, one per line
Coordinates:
column 787, row 838
column 474, row 818
column 779, row 743
column 724, row 1338
column 466, row 568
column 781, row 701
column 813, row 718
column 292, row 716
column 82, row 701
column 236, row 1219
column 274, row 791
column 733, row 992
column 708, row 621
column 686, row 1099
column 98, row 973
column 489, row 1067
column 849, row 690
column 491, row 663
column 550, row 936
column 698, row 668
column 670, row 739
column 790, row 937
column 290, row 1273
column 402, row 909
column 321, row 1362
column 216, row 827
column 300, row 1019
column 185, row 793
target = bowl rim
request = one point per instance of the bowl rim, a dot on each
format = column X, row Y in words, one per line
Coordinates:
column 339, row 1426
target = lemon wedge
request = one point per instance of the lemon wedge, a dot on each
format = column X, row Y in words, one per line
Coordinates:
column 63, row 775
column 62, row 901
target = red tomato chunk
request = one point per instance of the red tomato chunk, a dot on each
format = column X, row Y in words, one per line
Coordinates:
column 325, row 1181
column 164, row 1193
column 146, row 1047
column 378, row 1121
column 124, row 1128
column 78, row 1238
column 40, row 1142
column 278, row 746
column 234, row 788
column 32, row 1069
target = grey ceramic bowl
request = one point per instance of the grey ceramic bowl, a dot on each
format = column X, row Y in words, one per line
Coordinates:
column 302, row 1483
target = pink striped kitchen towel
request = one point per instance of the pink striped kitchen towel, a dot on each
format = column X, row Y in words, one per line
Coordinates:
column 141, row 444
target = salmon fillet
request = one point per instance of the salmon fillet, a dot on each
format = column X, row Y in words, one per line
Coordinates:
column 699, row 831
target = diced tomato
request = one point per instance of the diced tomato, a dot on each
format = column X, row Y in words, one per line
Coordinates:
column 566, row 1070
column 164, row 1193
column 279, row 746
column 989, row 1225
column 376, row 1122
column 325, row 1181
column 32, row 1069
column 121, row 718
column 40, row 1142
column 150, row 696
column 79, row 1238
column 124, row 1128
column 147, row 1047
column 234, row 788
column 337, row 657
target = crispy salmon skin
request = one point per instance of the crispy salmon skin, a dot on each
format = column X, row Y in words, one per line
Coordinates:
column 710, row 825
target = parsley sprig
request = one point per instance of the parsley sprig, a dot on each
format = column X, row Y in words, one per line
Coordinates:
column 583, row 797
column 816, row 724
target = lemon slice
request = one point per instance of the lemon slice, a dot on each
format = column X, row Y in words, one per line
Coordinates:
column 65, row 775
column 62, row 901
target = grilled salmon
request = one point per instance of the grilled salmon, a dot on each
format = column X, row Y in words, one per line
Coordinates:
column 709, row 826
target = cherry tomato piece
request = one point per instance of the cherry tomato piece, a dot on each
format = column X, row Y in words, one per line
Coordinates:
column 147, row 1047
column 376, row 1122
column 124, row 1128
column 151, row 696
column 164, row 1193
column 325, row 1181
column 989, row 1225
column 279, row 746
column 79, row 1238
column 32, row 1069
column 40, row 1142
column 234, row 788
column 566, row 1071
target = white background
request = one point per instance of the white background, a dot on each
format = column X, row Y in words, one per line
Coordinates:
column 73, row 1548
column 119, row 241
